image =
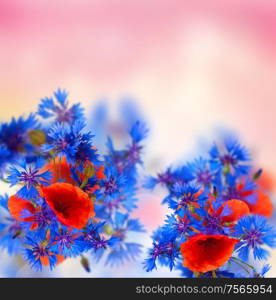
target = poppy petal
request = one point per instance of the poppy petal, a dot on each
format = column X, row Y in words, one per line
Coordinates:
column 72, row 206
column 263, row 205
column 203, row 253
column 237, row 209
column 17, row 206
column 61, row 171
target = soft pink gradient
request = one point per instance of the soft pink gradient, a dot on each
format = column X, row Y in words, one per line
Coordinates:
column 192, row 65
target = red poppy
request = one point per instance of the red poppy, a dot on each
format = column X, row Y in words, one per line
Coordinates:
column 203, row 253
column 72, row 206
column 237, row 209
column 263, row 205
column 61, row 170
column 100, row 172
column 229, row 212
column 243, row 192
column 267, row 181
column 17, row 206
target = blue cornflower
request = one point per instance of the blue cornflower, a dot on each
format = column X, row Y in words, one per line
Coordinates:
column 128, row 199
column 60, row 109
column 122, row 223
column 266, row 268
column 133, row 154
column 11, row 230
column 112, row 189
column 254, row 233
column 210, row 218
column 186, row 196
column 43, row 218
column 166, row 178
column 232, row 159
column 114, row 156
column 181, row 175
column 63, row 140
column 166, row 251
column 201, row 171
column 14, row 139
column 120, row 185
column 4, row 154
column 130, row 113
column 69, row 141
column 243, row 191
column 170, row 178
column 4, row 201
column 125, row 160
column 138, row 132
column 213, row 224
column 180, row 226
column 93, row 238
column 30, row 176
column 86, row 150
column 123, row 250
column 154, row 254
column 135, row 225
column 118, row 189
column 67, row 243
column 11, row 236
column 38, row 251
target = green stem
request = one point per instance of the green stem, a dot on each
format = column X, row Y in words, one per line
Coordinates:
column 237, row 259
column 239, row 263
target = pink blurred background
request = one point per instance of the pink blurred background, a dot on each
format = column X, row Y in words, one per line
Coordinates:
column 191, row 65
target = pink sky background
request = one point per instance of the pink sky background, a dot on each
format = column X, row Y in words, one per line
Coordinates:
column 195, row 65
column 191, row 65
